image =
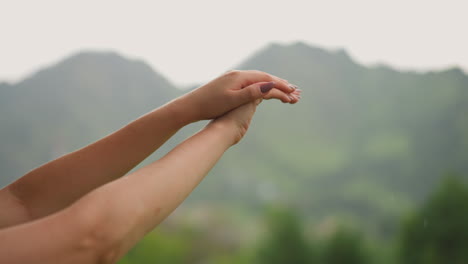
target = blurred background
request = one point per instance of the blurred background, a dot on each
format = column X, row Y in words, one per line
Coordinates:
column 370, row 167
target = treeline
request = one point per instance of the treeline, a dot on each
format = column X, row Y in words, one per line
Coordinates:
column 435, row 233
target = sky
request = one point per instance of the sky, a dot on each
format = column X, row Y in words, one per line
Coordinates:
column 194, row 41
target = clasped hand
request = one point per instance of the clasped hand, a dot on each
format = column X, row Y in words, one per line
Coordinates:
column 231, row 99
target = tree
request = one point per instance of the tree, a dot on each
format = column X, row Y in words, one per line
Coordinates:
column 284, row 242
column 345, row 247
column 438, row 232
column 160, row 247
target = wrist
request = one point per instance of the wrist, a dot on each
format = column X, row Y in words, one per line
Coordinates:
column 179, row 109
column 227, row 130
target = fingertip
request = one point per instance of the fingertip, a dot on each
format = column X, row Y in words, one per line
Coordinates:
column 297, row 92
column 285, row 98
column 294, row 99
column 283, row 85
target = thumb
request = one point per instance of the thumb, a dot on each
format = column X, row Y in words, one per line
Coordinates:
column 253, row 91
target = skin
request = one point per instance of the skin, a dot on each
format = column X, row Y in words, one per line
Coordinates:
column 77, row 209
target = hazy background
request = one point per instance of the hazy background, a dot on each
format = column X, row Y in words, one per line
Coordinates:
column 375, row 162
column 192, row 41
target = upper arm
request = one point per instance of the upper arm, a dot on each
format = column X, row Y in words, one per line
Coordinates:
column 59, row 238
column 17, row 212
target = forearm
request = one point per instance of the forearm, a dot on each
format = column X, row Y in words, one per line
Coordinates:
column 133, row 205
column 59, row 183
column 106, row 223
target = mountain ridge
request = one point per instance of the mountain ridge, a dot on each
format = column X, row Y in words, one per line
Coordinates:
column 78, row 97
column 338, row 52
column 343, row 54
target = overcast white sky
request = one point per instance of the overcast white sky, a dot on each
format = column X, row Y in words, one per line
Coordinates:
column 194, row 41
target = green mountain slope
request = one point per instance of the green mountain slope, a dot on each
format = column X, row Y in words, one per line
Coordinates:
column 363, row 141
column 70, row 104
column 399, row 128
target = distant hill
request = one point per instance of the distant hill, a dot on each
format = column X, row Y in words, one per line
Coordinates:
column 401, row 129
column 70, row 104
column 364, row 142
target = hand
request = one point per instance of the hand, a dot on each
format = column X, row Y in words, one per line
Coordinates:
column 233, row 89
column 237, row 121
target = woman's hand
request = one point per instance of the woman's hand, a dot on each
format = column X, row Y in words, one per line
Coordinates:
column 235, row 123
column 234, row 89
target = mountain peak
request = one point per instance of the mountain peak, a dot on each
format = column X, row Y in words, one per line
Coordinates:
column 306, row 49
column 4, row 84
column 454, row 70
column 299, row 53
column 98, row 67
column 102, row 58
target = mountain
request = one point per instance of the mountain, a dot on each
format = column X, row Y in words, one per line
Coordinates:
column 369, row 141
column 364, row 144
column 72, row 103
column 392, row 126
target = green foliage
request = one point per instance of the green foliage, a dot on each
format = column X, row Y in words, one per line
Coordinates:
column 345, row 246
column 284, row 242
column 438, row 232
column 159, row 247
column 181, row 243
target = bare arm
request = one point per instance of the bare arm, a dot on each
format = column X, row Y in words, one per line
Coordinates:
column 60, row 238
column 61, row 182
column 106, row 223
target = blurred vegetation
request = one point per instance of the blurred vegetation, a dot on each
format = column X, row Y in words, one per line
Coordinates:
column 435, row 233
column 284, row 241
column 365, row 146
column 438, row 232
column 345, row 246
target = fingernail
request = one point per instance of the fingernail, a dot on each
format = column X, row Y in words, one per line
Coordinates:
column 291, row 97
column 265, row 88
column 292, row 86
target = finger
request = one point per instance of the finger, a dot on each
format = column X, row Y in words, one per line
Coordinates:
column 297, row 92
column 295, row 98
column 277, row 94
column 253, row 109
column 245, row 112
column 251, row 92
column 253, row 76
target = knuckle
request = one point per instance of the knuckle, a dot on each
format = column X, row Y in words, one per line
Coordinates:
column 252, row 93
column 232, row 73
column 230, row 97
column 263, row 74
